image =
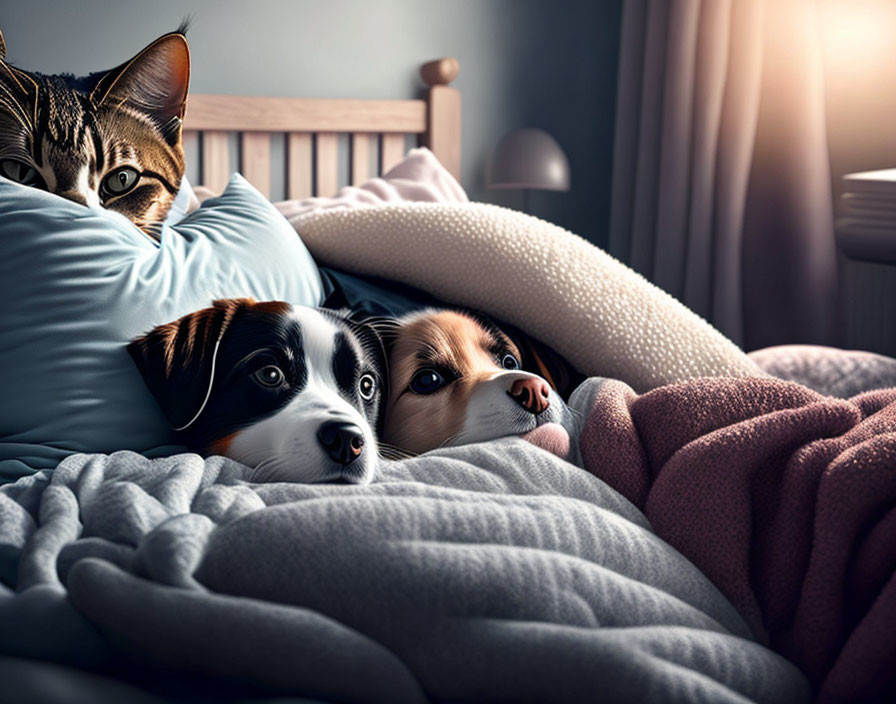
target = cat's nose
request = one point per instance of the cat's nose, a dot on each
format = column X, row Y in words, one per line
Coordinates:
column 75, row 196
column 88, row 198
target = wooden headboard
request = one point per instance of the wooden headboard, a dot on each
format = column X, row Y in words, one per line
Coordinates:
column 312, row 128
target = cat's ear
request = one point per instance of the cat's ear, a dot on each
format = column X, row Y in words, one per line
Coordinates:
column 155, row 81
column 2, row 47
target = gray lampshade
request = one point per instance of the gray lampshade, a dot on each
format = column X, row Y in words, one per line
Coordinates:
column 529, row 158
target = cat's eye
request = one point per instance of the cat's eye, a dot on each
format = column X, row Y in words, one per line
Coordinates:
column 20, row 172
column 120, row 181
column 508, row 361
column 367, row 386
column 270, row 375
column 426, row 381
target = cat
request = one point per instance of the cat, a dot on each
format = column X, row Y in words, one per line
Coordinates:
column 111, row 139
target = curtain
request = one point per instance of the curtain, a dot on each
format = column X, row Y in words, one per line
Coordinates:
column 721, row 179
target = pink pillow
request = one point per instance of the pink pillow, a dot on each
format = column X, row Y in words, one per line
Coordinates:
column 417, row 177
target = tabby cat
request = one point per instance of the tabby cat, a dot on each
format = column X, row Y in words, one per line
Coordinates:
column 110, row 139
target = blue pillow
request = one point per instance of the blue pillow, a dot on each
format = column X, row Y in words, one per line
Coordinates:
column 78, row 284
column 181, row 203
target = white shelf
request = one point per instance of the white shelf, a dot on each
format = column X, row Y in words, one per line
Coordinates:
column 881, row 182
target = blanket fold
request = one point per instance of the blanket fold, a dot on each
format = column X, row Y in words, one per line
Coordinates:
column 480, row 573
column 785, row 499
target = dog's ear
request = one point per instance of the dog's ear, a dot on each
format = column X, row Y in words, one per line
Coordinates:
column 375, row 334
column 382, row 328
column 385, row 329
column 176, row 359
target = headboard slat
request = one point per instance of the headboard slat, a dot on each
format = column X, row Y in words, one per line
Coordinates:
column 235, row 113
column 255, row 160
column 298, row 171
column 360, row 158
column 215, row 160
column 326, row 173
column 310, row 152
column 391, row 151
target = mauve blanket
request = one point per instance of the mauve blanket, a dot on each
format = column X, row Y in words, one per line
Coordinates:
column 785, row 499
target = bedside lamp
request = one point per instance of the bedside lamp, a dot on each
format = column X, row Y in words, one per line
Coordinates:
column 529, row 159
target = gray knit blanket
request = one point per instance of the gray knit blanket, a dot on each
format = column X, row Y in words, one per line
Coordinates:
column 488, row 572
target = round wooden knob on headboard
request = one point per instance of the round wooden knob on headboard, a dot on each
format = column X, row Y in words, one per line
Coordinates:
column 440, row 72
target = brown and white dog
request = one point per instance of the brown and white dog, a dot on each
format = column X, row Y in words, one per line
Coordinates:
column 456, row 378
column 294, row 392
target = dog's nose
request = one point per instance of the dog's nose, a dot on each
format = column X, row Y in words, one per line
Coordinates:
column 343, row 442
column 531, row 393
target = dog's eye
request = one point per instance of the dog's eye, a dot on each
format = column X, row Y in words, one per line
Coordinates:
column 508, row 361
column 367, row 386
column 427, row 381
column 269, row 375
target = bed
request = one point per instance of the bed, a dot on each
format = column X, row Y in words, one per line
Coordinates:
column 496, row 571
column 235, row 133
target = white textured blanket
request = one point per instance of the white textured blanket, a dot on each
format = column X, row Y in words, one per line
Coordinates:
column 602, row 316
column 480, row 573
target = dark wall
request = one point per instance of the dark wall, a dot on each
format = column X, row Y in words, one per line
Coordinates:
column 564, row 81
column 550, row 64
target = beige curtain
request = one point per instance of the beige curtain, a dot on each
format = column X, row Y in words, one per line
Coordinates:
column 721, row 182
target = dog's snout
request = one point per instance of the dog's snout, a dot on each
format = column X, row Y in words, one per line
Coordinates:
column 342, row 441
column 532, row 394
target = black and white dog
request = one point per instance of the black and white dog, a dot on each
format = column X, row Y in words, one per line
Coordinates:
column 294, row 392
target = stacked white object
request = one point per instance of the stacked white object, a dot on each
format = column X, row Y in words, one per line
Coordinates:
column 866, row 228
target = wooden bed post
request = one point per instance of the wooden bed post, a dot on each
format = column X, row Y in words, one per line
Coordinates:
column 443, row 116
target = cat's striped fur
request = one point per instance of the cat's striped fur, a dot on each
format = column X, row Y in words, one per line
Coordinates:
column 110, row 139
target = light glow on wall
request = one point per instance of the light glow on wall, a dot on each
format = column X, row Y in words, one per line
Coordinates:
column 858, row 38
